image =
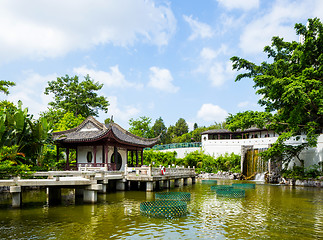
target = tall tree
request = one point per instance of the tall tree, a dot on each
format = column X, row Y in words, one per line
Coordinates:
column 159, row 128
column 170, row 134
column 291, row 86
column 181, row 127
column 70, row 95
column 68, row 121
column 141, row 127
column 4, row 86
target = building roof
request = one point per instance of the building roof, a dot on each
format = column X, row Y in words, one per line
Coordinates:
column 91, row 130
column 219, row 131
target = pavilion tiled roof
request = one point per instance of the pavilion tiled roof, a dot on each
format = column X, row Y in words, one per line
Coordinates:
column 91, row 130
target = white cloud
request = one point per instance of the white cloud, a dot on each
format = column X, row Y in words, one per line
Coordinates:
column 247, row 105
column 161, row 78
column 244, row 5
column 190, row 125
column 114, row 78
column 208, row 53
column 278, row 22
column 218, row 72
column 243, row 104
column 42, row 28
column 199, row 29
column 210, row 113
column 31, row 92
column 121, row 114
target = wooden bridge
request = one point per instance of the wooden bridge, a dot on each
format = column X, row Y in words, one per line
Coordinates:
column 88, row 183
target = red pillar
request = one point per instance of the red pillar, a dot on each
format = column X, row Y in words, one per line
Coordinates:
column 131, row 158
column 103, row 153
column 57, row 153
column 142, row 157
column 94, row 153
column 136, row 158
column 76, row 157
column 68, row 158
column 106, row 153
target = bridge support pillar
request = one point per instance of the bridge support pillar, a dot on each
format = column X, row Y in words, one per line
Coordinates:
column 54, row 195
column 166, row 184
column 104, row 188
column 16, row 196
column 78, row 192
column 133, row 185
column 120, row 185
column 90, row 196
column 184, row 181
column 161, row 184
column 176, row 182
column 193, row 180
column 90, row 193
column 149, row 186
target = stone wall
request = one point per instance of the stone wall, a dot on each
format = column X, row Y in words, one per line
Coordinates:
column 304, row 183
column 4, row 189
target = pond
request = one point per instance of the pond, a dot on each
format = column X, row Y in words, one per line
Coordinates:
column 267, row 212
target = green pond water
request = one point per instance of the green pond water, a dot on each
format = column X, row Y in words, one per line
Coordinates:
column 267, row 212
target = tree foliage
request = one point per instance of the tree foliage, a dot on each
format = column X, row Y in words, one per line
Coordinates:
column 247, row 119
column 195, row 135
column 141, row 127
column 201, row 161
column 157, row 158
column 70, row 95
column 21, row 133
column 181, row 127
column 291, row 86
column 4, row 86
column 159, row 128
column 68, row 121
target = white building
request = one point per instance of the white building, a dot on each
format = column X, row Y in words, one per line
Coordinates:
column 217, row 142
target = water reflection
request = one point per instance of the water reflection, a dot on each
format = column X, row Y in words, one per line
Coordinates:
column 267, row 212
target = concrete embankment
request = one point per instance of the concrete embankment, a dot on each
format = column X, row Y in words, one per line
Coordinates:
column 220, row 175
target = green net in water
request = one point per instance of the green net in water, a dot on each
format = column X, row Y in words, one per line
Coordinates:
column 180, row 196
column 164, row 209
column 209, row 181
column 224, row 187
column 232, row 193
column 244, row 185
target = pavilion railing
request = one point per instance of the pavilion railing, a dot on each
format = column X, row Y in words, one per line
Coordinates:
column 90, row 166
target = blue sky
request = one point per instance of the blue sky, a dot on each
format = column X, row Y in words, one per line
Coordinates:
column 159, row 58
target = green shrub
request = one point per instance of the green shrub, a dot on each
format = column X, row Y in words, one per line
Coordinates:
column 298, row 172
column 206, row 163
column 9, row 169
column 201, row 161
column 157, row 158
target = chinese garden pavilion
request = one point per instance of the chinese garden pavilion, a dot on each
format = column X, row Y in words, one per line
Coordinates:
column 100, row 145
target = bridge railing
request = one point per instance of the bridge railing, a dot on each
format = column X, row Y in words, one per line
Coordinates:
column 175, row 145
column 153, row 171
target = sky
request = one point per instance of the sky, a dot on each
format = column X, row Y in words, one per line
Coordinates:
column 156, row 58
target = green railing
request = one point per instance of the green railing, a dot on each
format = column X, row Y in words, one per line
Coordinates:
column 175, row 145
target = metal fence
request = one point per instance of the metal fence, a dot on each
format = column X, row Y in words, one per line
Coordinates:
column 175, row 145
